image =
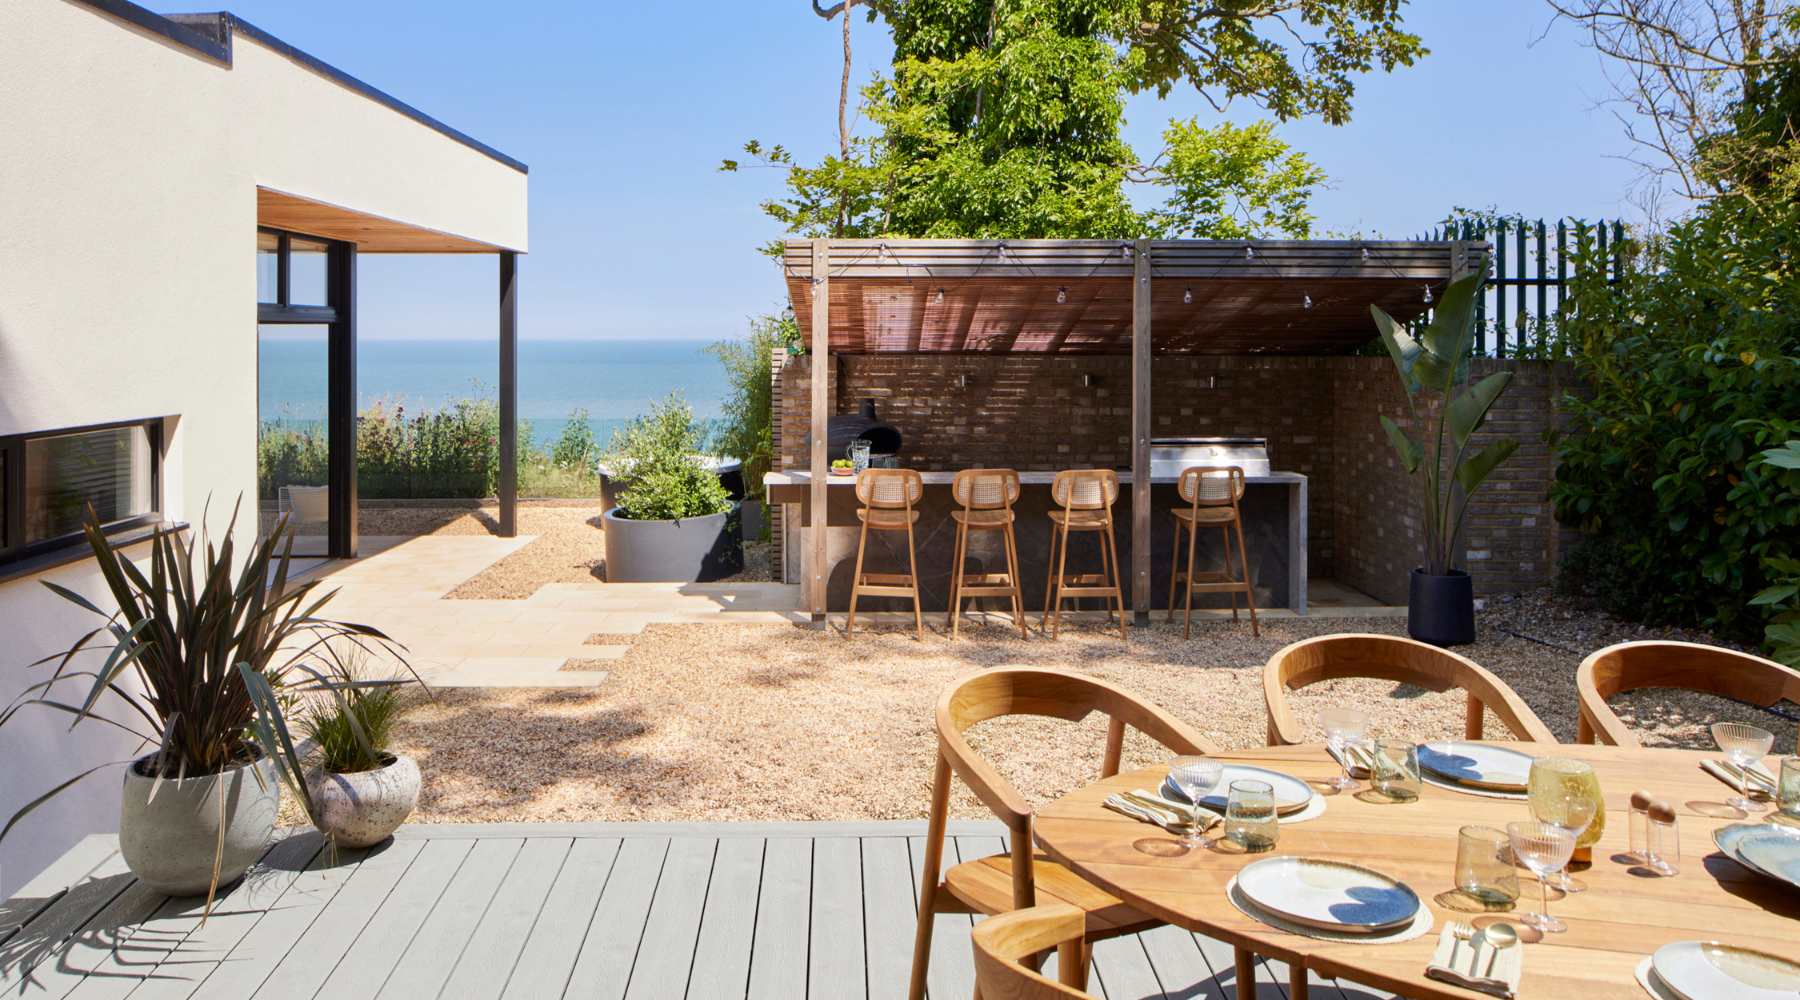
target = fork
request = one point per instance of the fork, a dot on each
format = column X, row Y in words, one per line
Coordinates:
column 1465, row 934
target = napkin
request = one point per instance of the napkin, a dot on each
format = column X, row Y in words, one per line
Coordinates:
column 1459, row 962
column 1761, row 784
column 1359, row 760
column 1168, row 819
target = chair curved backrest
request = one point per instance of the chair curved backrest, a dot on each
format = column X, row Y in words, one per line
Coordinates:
column 1689, row 666
column 1392, row 658
column 890, row 488
column 985, row 489
column 1085, row 489
column 1211, row 486
column 991, row 694
column 1001, row 941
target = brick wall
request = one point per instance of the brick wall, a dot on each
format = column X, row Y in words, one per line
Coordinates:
column 1319, row 414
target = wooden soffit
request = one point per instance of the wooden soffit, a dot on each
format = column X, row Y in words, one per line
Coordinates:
column 370, row 233
column 1207, row 297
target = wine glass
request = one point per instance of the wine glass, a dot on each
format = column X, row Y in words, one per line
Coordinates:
column 1544, row 848
column 1343, row 726
column 1194, row 777
column 1573, row 812
column 1745, row 745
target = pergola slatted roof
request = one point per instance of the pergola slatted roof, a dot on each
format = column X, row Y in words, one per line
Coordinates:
column 1207, row 297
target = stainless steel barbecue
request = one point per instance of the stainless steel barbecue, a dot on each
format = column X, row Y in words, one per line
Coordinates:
column 1168, row 456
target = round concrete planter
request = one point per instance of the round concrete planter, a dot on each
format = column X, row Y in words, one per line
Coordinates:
column 689, row 550
column 171, row 841
column 360, row 809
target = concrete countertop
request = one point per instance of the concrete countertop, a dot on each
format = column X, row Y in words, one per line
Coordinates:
column 803, row 477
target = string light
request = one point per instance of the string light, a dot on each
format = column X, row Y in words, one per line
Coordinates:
column 1126, row 251
column 940, row 296
column 886, row 258
column 1249, row 253
column 1428, row 293
column 1365, row 254
column 1308, row 303
column 1187, row 296
column 1062, row 295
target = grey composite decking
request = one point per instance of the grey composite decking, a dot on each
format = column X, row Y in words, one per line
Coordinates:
column 596, row 911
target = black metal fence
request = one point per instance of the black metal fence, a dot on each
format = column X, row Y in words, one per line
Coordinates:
column 1505, row 320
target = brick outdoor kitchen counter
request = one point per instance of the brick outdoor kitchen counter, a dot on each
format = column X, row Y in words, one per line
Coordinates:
column 1274, row 509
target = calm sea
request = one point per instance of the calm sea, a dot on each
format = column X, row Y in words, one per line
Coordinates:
column 614, row 380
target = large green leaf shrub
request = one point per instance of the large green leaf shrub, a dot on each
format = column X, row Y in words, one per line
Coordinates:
column 658, row 456
column 1673, row 468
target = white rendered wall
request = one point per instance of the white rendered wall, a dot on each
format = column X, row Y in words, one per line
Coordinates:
column 128, row 176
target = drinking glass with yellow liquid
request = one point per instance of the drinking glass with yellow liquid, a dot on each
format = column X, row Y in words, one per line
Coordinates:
column 1567, row 793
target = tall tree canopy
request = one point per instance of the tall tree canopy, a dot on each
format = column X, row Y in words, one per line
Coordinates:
column 1003, row 118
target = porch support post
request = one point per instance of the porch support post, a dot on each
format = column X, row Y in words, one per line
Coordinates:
column 340, row 405
column 507, row 481
column 1140, row 435
column 818, row 462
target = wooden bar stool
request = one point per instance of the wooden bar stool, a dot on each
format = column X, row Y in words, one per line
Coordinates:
column 1086, row 497
column 987, row 496
column 1212, row 493
column 888, row 496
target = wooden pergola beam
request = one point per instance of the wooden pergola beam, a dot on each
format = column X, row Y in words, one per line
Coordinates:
column 1140, row 435
column 820, row 358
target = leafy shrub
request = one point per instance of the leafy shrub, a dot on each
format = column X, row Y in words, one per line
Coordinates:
column 744, row 431
column 575, row 450
column 657, row 455
column 1692, row 363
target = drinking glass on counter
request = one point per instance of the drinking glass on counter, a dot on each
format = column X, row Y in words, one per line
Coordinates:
column 1544, row 848
column 1395, row 770
column 1745, row 745
column 1484, row 865
column 1250, row 818
column 1343, row 726
column 1195, row 777
column 1554, row 780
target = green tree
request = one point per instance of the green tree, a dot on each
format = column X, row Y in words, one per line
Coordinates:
column 744, row 430
column 1003, row 119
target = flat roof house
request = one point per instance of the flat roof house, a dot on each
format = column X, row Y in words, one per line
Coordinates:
column 167, row 184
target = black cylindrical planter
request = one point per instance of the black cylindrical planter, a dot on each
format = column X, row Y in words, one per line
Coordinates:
column 1441, row 609
column 689, row 550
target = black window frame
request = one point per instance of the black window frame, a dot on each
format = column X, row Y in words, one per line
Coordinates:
column 13, row 547
column 281, row 311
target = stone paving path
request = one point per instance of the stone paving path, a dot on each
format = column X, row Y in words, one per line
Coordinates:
column 399, row 586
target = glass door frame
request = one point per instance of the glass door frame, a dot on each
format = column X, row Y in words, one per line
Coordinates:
column 338, row 315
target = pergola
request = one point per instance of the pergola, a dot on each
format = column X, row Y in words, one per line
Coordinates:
column 1088, row 297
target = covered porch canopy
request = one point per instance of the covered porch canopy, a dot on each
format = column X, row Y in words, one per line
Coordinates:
column 1086, row 297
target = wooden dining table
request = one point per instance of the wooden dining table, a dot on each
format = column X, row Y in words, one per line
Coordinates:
column 1626, row 913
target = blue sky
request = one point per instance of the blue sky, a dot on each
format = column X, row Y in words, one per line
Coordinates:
column 623, row 112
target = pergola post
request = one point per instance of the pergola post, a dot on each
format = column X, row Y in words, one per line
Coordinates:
column 1140, row 434
column 507, row 481
column 340, row 405
column 819, row 463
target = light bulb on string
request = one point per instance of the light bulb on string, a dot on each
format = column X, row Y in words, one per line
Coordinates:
column 1249, row 253
column 1187, row 296
column 940, row 297
column 1307, row 303
column 1126, row 251
column 1428, row 293
column 1365, row 254
column 1061, row 296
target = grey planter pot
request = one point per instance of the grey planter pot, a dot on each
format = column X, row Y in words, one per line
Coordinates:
column 170, row 841
column 361, row 809
column 690, row 550
column 1441, row 609
column 751, row 513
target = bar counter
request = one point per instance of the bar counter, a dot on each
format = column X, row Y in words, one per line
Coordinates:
column 1275, row 532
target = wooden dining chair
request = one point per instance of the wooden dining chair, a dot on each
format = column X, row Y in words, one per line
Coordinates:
column 1689, row 666
column 1212, row 495
column 1000, row 942
column 987, row 497
column 887, row 496
column 1086, row 498
column 1022, row 878
column 1391, row 658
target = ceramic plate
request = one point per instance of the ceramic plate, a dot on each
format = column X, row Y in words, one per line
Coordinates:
column 1776, row 854
column 1729, row 836
column 1708, row 970
column 1331, row 895
column 1291, row 794
column 1477, row 764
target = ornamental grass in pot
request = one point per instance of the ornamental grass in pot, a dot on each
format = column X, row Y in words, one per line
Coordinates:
column 674, row 522
column 1441, row 598
column 198, row 809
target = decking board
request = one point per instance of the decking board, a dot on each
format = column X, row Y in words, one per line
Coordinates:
column 548, row 911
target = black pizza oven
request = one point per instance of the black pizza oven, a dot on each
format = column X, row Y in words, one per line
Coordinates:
column 884, row 438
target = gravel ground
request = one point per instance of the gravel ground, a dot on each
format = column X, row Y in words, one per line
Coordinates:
column 773, row 722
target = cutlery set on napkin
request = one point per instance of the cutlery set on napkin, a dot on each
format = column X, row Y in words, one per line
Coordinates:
column 1175, row 817
column 1487, row 960
column 1761, row 784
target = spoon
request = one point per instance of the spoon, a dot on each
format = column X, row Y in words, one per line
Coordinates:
column 1501, row 937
